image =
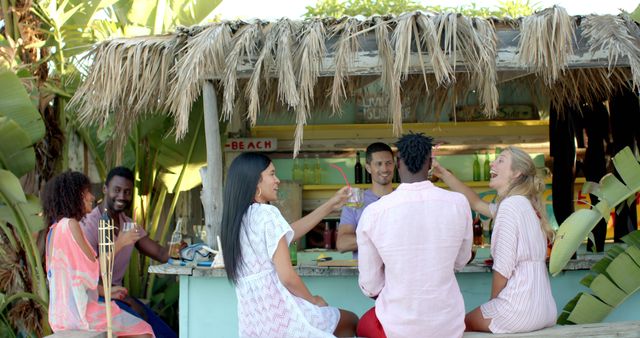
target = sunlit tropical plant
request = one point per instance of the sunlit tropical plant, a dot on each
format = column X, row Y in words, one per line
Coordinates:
column 23, row 305
column 612, row 281
column 611, row 192
column 617, row 276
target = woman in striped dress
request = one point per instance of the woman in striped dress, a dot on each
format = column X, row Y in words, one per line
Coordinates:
column 521, row 298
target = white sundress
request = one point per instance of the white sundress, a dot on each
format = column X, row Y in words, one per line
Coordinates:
column 265, row 307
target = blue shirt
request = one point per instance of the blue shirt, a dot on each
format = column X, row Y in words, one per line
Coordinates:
column 351, row 216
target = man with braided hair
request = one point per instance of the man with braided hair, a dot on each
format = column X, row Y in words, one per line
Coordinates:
column 410, row 243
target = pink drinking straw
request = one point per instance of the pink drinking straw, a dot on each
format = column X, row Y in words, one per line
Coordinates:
column 343, row 174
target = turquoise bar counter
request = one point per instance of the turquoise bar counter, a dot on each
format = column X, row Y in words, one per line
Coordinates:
column 208, row 301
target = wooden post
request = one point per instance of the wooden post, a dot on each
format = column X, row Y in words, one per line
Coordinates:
column 212, row 176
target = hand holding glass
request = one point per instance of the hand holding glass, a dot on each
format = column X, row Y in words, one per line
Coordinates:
column 128, row 226
column 356, row 198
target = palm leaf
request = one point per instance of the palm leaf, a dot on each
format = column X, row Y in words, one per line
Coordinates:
column 612, row 280
column 16, row 150
column 16, row 105
column 588, row 309
column 579, row 224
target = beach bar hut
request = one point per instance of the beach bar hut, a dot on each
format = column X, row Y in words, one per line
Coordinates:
column 245, row 69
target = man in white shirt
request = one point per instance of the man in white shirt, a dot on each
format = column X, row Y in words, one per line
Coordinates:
column 410, row 243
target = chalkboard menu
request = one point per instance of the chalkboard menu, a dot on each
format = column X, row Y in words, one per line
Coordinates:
column 373, row 107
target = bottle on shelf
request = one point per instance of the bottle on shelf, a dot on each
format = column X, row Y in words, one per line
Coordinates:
column 367, row 176
column 317, row 178
column 297, row 173
column 327, row 235
column 176, row 238
column 477, row 231
column 357, row 174
column 396, row 176
column 309, row 174
column 293, row 252
column 476, row 168
column 487, row 167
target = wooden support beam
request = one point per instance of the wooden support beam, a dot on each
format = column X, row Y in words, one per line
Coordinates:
column 212, row 174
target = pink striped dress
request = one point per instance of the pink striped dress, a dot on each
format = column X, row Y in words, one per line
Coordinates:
column 73, row 289
column 519, row 247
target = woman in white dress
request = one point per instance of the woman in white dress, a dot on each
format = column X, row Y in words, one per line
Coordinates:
column 272, row 299
column 521, row 298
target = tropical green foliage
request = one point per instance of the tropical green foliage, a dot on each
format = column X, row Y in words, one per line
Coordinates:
column 611, row 193
column 635, row 15
column 46, row 44
column 22, row 276
column 337, row 8
column 612, row 280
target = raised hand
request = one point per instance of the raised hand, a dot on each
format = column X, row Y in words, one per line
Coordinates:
column 340, row 198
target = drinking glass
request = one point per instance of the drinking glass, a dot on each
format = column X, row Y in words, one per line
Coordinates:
column 356, row 198
column 128, row 226
column 200, row 231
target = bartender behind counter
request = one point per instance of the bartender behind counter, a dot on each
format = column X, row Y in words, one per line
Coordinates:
column 380, row 164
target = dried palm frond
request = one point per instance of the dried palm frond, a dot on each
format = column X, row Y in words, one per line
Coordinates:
column 584, row 86
column 546, row 42
column 474, row 40
column 617, row 36
column 263, row 64
column 285, row 31
column 429, row 37
column 29, row 316
column 11, row 273
column 203, row 56
column 345, row 49
column 402, row 40
column 308, row 56
column 244, row 46
column 126, row 75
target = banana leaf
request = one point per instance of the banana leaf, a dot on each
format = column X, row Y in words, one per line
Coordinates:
column 16, row 150
column 588, row 309
column 570, row 235
column 635, row 15
column 31, row 209
column 606, row 290
column 612, row 280
column 611, row 192
column 13, row 197
column 15, row 104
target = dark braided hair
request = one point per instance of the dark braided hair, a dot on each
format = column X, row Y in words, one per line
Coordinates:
column 414, row 149
column 62, row 197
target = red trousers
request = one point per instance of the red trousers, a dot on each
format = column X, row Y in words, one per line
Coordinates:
column 369, row 326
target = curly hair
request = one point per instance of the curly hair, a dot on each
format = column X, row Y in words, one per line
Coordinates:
column 414, row 149
column 119, row 171
column 62, row 197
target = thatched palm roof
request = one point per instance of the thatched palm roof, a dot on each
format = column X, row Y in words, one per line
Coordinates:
column 304, row 65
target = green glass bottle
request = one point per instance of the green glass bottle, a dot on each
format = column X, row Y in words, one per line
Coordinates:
column 293, row 252
column 487, row 167
column 297, row 174
column 476, row 168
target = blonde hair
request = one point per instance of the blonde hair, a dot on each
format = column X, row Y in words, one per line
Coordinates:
column 528, row 184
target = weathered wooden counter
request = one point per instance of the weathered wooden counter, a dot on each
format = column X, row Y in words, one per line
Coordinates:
column 208, row 300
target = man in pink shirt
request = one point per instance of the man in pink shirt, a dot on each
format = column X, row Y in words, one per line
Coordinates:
column 410, row 243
